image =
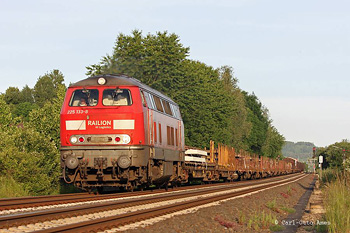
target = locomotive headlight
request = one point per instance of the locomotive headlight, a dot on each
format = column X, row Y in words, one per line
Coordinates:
column 73, row 139
column 125, row 139
column 101, row 81
column 122, row 139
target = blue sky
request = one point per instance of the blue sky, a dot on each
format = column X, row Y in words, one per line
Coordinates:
column 294, row 55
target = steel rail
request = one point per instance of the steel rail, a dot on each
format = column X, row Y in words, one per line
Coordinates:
column 103, row 224
column 44, row 215
column 35, row 201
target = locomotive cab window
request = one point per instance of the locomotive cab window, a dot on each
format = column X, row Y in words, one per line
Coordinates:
column 84, row 98
column 148, row 99
column 116, row 97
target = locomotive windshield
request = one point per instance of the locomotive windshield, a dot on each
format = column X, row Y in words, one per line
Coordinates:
column 116, row 97
column 84, row 97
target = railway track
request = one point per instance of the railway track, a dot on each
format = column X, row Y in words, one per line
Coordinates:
column 123, row 210
column 40, row 201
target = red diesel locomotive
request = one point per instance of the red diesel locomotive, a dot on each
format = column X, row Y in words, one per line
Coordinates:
column 117, row 131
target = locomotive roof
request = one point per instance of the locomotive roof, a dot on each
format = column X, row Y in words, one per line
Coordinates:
column 118, row 80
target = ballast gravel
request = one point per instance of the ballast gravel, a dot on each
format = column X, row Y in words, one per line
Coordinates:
column 238, row 214
column 39, row 208
column 152, row 221
column 65, row 221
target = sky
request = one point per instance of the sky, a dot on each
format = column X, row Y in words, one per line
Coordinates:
column 294, row 55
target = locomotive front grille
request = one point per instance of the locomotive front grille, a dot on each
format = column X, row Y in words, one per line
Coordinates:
column 95, row 139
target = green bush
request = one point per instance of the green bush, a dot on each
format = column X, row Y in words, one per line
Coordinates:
column 10, row 188
column 30, row 158
column 329, row 175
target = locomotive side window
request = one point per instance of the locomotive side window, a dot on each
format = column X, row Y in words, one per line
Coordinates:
column 143, row 99
column 116, row 97
column 158, row 103
column 160, row 133
column 176, row 138
column 170, row 135
column 166, row 106
column 148, row 99
column 173, row 110
column 155, row 132
column 176, row 111
column 84, row 97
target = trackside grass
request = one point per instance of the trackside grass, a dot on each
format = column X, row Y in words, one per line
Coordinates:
column 337, row 201
column 10, row 188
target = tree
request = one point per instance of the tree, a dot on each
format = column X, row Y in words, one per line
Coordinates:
column 239, row 125
column 153, row 59
column 46, row 87
column 203, row 104
column 13, row 95
column 27, row 94
column 29, row 154
column 20, row 102
column 273, row 144
column 46, row 120
column 30, row 159
column 258, row 117
column 212, row 105
column 22, row 110
column 5, row 114
column 226, row 76
column 336, row 155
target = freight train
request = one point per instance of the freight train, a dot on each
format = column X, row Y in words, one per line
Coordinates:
column 119, row 132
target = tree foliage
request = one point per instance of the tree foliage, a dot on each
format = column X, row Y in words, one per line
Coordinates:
column 257, row 116
column 212, row 105
column 46, row 120
column 273, row 143
column 336, row 155
column 27, row 94
column 29, row 136
column 153, row 59
column 239, row 126
column 13, row 95
column 5, row 114
column 29, row 157
column 202, row 101
column 45, row 89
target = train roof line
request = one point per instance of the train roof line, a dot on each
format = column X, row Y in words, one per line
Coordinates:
column 119, row 80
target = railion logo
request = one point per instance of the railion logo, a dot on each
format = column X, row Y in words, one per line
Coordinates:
column 100, row 123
